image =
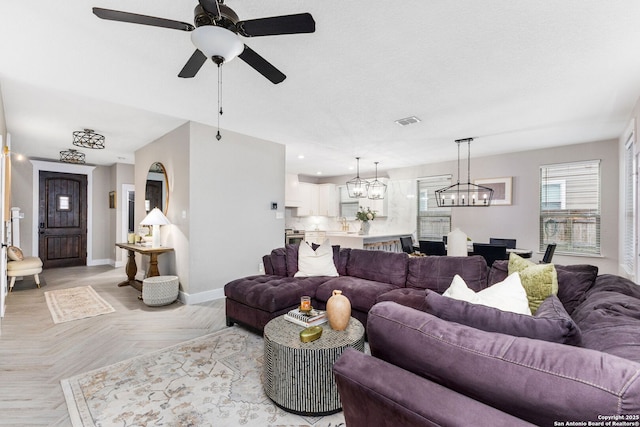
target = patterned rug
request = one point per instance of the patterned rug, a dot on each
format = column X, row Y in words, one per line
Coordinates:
column 70, row 304
column 214, row 380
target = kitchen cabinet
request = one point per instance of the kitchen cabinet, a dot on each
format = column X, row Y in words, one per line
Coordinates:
column 327, row 201
column 317, row 200
column 292, row 191
column 308, row 199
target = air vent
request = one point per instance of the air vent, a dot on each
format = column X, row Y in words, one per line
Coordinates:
column 408, row 121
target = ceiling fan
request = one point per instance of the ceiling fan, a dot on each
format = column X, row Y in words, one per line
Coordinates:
column 216, row 34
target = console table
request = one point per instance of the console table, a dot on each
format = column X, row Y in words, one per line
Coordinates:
column 132, row 268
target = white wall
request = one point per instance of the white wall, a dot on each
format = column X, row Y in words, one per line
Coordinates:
column 519, row 220
column 220, row 195
column 172, row 150
column 233, row 182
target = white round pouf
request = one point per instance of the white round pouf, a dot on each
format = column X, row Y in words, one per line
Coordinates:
column 160, row 290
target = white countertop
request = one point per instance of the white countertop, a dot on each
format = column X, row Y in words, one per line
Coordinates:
column 357, row 241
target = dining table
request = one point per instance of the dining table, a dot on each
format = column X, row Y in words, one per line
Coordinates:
column 522, row 252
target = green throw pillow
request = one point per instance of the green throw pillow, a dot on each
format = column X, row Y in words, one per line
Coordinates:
column 538, row 280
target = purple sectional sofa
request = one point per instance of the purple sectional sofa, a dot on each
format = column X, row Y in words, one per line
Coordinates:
column 432, row 371
column 439, row 361
column 366, row 277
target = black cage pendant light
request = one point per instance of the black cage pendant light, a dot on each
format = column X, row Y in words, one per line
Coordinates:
column 72, row 156
column 357, row 187
column 377, row 189
column 465, row 194
column 88, row 139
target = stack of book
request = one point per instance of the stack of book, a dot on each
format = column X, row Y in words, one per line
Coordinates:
column 312, row 318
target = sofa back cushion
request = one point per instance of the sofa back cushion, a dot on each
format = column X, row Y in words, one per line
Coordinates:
column 266, row 263
column 379, row 266
column 277, row 264
column 292, row 258
column 550, row 323
column 437, row 272
column 537, row 381
column 573, row 281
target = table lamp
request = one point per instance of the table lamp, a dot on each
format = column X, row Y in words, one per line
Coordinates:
column 155, row 218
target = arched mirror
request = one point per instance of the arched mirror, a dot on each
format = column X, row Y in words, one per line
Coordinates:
column 157, row 189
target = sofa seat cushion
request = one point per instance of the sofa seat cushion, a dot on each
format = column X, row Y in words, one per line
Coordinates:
column 609, row 317
column 538, row 381
column 378, row 266
column 272, row 293
column 573, row 281
column 437, row 272
column 409, row 297
column 362, row 293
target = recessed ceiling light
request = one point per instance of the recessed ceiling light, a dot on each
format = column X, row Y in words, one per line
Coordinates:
column 318, row 173
column 301, row 156
column 408, row 121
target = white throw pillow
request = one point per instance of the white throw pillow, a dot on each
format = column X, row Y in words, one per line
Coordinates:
column 508, row 295
column 316, row 263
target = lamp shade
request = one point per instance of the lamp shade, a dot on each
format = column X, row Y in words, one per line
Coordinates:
column 155, row 218
column 217, row 41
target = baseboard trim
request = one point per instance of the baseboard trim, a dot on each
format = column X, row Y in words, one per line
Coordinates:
column 200, row 297
column 105, row 261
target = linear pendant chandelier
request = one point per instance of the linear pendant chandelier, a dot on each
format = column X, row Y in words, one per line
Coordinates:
column 465, row 194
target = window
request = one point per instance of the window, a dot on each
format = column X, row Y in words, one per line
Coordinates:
column 629, row 257
column 433, row 222
column 570, row 207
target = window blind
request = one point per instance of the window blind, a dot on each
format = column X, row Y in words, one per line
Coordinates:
column 433, row 221
column 570, row 207
column 629, row 256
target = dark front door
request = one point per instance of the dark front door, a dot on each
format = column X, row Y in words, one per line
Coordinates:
column 63, row 219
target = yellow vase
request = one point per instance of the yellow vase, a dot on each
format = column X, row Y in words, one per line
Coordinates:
column 338, row 311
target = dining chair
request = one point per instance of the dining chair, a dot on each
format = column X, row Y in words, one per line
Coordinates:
column 490, row 252
column 509, row 243
column 548, row 253
column 407, row 244
column 430, row 247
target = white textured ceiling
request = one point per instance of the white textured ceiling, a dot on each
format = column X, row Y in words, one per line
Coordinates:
column 516, row 74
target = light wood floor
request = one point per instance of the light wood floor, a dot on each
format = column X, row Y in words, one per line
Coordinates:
column 35, row 354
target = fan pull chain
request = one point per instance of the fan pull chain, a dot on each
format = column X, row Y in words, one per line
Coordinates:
column 218, row 136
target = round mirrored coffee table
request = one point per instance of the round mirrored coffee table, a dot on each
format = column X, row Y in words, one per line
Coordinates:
column 298, row 376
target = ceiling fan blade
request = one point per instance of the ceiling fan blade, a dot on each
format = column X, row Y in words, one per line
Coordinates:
column 193, row 65
column 134, row 18
column 261, row 65
column 286, row 24
column 210, row 6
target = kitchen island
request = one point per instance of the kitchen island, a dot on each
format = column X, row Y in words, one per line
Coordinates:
column 373, row 241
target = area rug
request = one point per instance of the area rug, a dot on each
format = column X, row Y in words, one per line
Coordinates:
column 70, row 304
column 215, row 380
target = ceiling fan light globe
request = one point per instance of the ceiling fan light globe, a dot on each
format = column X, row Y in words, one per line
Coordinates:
column 217, row 41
